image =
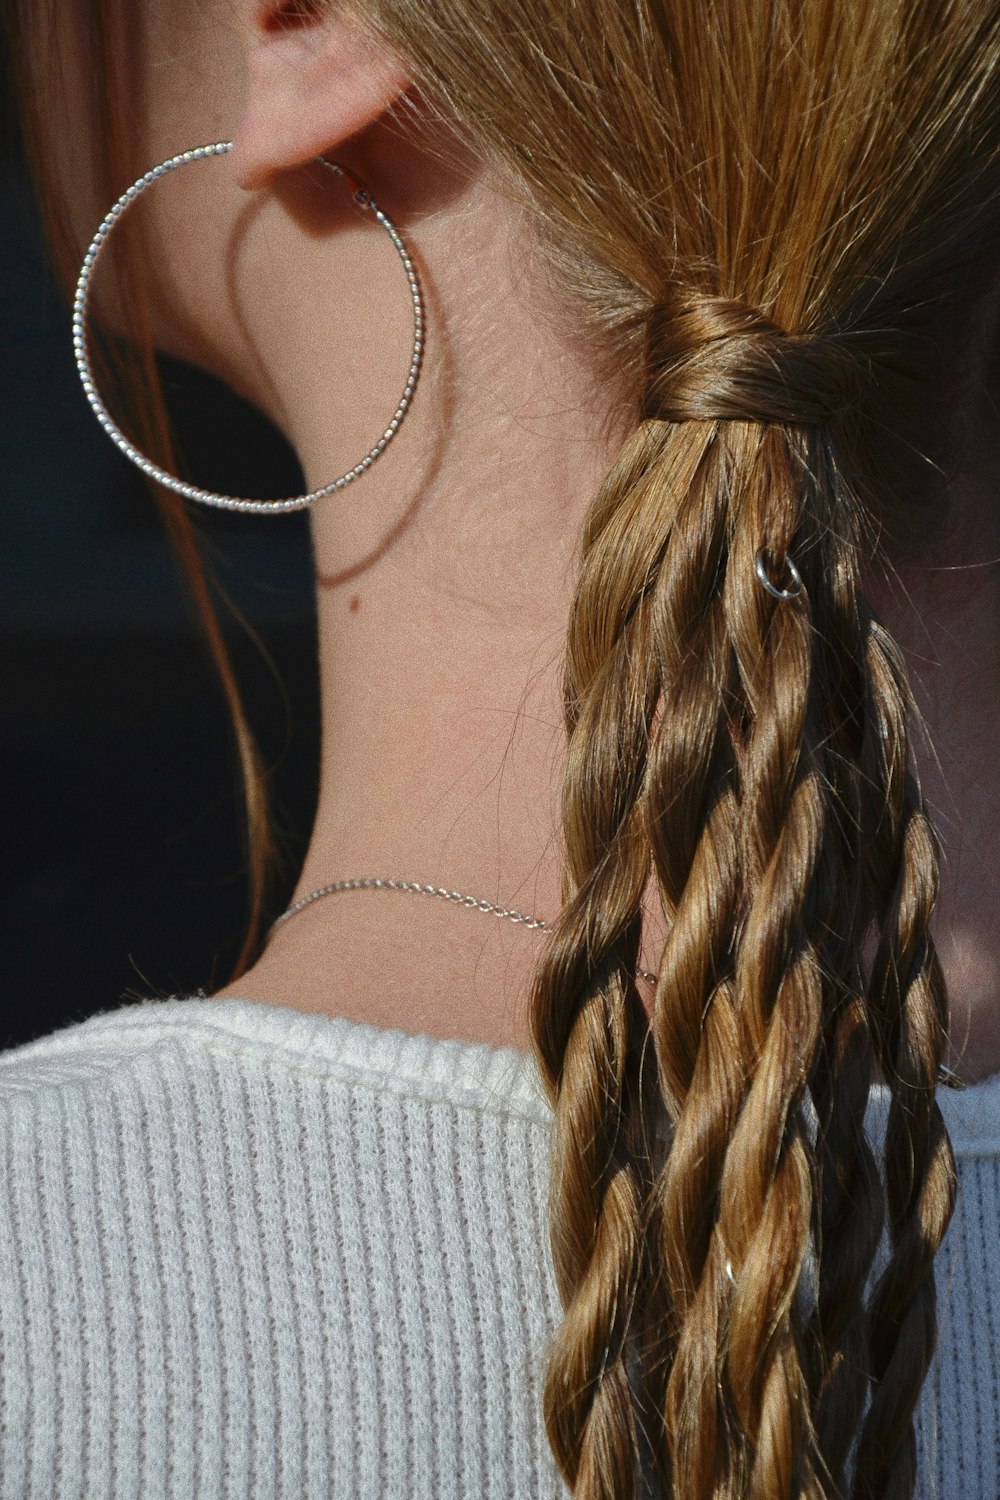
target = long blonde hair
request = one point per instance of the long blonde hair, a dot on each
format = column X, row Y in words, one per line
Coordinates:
column 767, row 221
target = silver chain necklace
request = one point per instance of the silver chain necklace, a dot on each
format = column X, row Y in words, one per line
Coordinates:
column 477, row 903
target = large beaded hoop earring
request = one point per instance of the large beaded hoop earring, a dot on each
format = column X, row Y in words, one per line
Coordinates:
column 153, row 471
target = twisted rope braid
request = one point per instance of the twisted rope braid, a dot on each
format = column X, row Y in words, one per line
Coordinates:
column 765, row 1198
column 849, row 1216
column 740, row 754
column 907, row 993
column 587, row 1019
column 691, row 812
column 738, row 1192
column 848, row 1192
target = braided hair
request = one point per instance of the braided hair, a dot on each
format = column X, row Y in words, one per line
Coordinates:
column 770, row 255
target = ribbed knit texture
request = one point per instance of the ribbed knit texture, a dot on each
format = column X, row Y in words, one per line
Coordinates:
column 252, row 1253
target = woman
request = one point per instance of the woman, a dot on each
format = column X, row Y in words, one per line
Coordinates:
column 615, row 632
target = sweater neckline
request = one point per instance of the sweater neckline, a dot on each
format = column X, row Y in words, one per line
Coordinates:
column 972, row 1115
column 436, row 1067
column 456, row 1067
column 503, row 1079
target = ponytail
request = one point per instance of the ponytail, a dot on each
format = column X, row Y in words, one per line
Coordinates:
column 768, row 223
column 772, row 801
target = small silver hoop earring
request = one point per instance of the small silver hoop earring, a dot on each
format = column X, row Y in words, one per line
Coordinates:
column 170, row 481
column 793, row 573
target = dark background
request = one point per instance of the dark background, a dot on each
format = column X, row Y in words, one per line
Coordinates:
column 124, row 869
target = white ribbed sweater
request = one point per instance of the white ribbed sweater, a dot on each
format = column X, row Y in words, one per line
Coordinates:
column 252, row 1253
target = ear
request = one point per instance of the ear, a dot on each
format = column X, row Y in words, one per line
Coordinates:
column 314, row 79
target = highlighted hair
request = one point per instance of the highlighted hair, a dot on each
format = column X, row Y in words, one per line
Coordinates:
column 767, row 222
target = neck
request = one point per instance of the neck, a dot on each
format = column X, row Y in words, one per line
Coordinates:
column 444, row 578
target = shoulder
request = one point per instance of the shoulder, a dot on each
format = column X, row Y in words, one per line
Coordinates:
column 169, row 1091
column 140, row 1041
column 157, row 1121
column 90, row 1115
column 199, row 1199
column 77, row 1051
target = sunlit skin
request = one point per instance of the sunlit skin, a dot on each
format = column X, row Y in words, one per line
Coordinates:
column 444, row 575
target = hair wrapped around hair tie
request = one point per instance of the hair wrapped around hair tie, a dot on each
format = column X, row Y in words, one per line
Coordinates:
column 712, row 359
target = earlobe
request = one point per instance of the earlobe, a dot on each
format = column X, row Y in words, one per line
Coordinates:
column 309, row 87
